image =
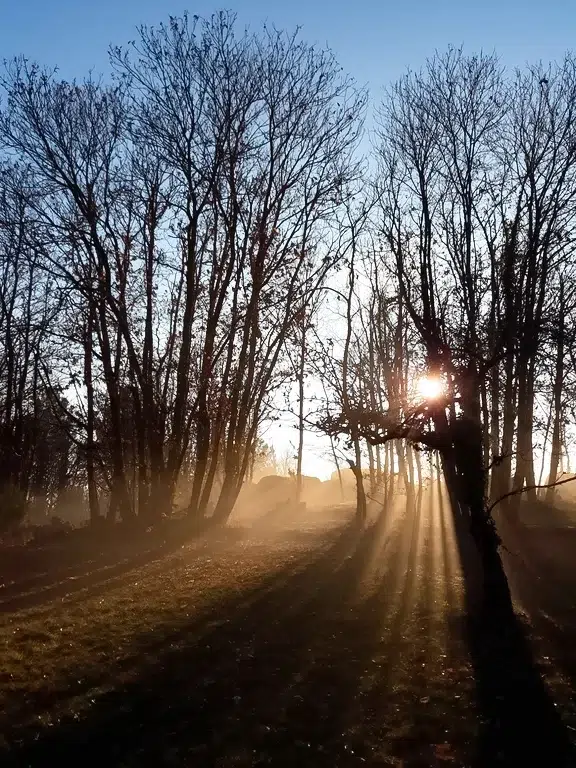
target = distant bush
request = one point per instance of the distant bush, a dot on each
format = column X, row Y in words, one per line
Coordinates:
column 54, row 530
column 13, row 505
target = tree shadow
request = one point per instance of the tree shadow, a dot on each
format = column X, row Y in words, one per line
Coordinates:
column 336, row 660
column 298, row 673
column 542, row 572
column 182, row 691
column 84, row 561
column 519, row 721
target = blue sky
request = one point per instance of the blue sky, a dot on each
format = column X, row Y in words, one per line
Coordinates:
column 374, row 41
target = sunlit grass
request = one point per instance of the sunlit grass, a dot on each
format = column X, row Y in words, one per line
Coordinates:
column 354, row 642
column 419, row 676
column 447, row 572
column 58, row 658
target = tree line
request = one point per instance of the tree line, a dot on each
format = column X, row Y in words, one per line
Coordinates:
column 470, row 280
column 180, row 243
column 161, row 234
column 469, row 269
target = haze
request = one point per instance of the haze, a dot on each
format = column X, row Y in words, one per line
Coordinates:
column 287, row 385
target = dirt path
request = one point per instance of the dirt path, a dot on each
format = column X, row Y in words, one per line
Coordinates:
column 322, row 647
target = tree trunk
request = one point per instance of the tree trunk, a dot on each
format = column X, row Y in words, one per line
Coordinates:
column 494, row 424
column 226, row 500
column 402, row 467
column 411, row 487
column 524, row 474
column 356, row 467
column 485, row 430
column 418, row 462
column 142, row 501
column 468, row 455
column 564, row 444
column 300, row 451
column 391, row 450
column 502, row 472
column 378, row 453
column 384, row 481
column 218, row 433
column 93, row 505
column 557, row 400
column 202, row 453
column 335, row 457
column 545, row 443
column 120, row 503
column 372, row 469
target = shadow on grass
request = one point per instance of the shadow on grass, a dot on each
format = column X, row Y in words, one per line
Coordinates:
column 85, row 559
column 298, row 673
column 520, row 723
column 320, row 667
column 542, row 573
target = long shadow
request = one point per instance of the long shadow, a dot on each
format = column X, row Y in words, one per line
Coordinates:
column 348, row 702
column 72, row 566
column 276, row 682
column 546, row 588
column 188, row 688
column 280, row 677
column 520, row 724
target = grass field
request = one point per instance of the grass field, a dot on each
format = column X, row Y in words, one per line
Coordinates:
column 312, row 645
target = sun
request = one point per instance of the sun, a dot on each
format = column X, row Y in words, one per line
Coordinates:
column 430, row 387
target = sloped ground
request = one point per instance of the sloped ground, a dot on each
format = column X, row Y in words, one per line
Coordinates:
column 276, row 646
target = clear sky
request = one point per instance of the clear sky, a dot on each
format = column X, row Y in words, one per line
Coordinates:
column 374, row 41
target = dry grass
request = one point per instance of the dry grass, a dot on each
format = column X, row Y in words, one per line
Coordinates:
column 309, row 648
column 58, row 658
column 318, row 647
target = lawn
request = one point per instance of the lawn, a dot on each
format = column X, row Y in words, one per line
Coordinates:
column 317, row 647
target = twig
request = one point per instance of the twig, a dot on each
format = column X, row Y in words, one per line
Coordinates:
column 530, row 488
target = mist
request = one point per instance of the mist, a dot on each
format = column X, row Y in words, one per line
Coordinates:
column 212, row 285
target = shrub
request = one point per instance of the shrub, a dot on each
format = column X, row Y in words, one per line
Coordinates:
column 13, row 505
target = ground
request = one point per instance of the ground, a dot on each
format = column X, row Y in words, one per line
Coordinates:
column 293, row 644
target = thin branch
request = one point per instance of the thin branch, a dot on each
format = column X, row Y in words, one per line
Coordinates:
column 530, row 488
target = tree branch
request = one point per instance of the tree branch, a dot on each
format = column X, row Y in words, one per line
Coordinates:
column 530, row 488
